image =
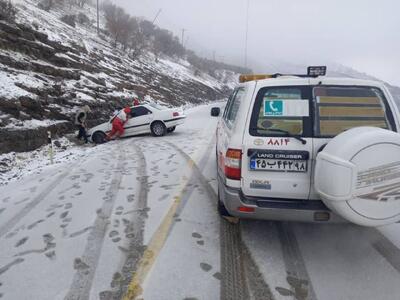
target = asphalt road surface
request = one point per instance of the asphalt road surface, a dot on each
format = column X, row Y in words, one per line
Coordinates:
column 136, row 219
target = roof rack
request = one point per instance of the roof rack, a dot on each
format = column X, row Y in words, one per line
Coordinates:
column 312, row 72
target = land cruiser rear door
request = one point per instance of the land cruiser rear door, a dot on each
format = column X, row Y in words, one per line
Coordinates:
column 277, row 144
column 339, row 108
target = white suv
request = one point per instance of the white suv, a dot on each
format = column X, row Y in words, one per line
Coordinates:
column 309, row 148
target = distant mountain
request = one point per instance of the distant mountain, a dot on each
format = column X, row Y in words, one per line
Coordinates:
column 334, row 70
column 343, row 71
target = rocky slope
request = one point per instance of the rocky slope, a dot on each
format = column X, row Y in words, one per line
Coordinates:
column 49, row 68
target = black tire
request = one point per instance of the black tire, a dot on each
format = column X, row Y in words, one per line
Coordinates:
column 223, row 212
column 99, row 137
column 158, row 129
column 172, row 129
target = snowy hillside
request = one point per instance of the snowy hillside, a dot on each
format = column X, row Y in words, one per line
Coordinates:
column 48, row 68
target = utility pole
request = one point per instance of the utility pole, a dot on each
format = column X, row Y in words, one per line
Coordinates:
column 155, row 18
column 183, row 34
column 98, row 25
column 247, row 33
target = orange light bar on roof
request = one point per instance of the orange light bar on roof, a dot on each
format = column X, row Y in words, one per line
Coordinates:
column 251, row 77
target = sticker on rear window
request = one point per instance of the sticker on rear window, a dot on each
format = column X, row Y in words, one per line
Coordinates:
column 286, row 108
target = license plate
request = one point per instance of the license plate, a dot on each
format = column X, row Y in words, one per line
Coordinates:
column 280, row 165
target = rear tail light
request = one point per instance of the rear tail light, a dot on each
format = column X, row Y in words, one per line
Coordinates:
column 233, row 162
column 175, row 114
column 246, row 209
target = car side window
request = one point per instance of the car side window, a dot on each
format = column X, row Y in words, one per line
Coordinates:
column 233, row 105
column 139, row 111
column 228, row 104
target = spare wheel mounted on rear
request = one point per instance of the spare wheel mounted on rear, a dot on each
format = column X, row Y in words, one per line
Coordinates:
column 358, row 176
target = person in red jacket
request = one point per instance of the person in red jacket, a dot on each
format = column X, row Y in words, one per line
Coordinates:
column 136, row 102
column 118, row 123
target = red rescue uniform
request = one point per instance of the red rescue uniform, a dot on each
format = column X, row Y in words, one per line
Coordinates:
column 118, row 123
column 117, row 127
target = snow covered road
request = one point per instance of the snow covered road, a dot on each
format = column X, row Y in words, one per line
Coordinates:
column 137, row 218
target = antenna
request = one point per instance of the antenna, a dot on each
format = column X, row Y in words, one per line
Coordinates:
column 247, row 33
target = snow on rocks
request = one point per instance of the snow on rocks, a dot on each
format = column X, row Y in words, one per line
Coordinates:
column 15, row 166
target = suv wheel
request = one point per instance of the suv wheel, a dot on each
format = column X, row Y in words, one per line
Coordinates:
column 223, row 212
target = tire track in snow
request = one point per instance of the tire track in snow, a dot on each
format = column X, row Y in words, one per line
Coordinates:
column 86, row 265
column 233, row 254
column 197, row 175
column 259, row 289
column 9, row 265
column 238, row 269
column 233, row 284
column 297, row 275
column 160, row 236
column 135, row 249
column 387, row 249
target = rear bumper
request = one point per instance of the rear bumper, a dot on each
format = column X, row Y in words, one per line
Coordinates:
column 275, row 209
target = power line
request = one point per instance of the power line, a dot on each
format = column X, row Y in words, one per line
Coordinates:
column 155, row 18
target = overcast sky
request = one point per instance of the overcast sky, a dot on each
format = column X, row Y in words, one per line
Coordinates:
column 363, row 34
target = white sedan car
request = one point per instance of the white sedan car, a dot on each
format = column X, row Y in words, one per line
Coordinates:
column 146, row 118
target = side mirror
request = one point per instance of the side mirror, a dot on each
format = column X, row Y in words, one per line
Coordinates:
column 215, row 111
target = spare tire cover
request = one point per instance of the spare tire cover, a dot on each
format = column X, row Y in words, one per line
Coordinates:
column 358, row 176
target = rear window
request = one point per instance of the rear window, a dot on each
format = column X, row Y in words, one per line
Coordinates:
column 279, row 111
column 338, row 109
column 139, row 111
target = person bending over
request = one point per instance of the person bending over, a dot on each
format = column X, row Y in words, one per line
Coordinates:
column 118, row 123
